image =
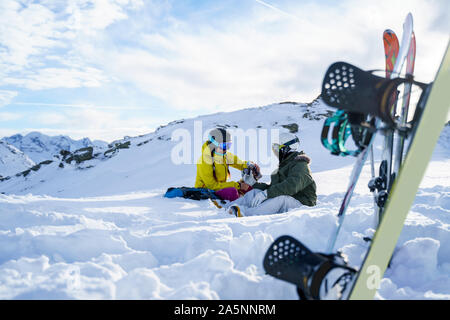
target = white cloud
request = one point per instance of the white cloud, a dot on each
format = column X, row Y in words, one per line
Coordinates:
column 218, row 69
column 78, row 106
column 48, row 78
column 25, row 31
column 7, row 132
column 9, row 116
column 29, row 32
column 6, row 96
column 106, row 125
column 49, row 118
column 268, row 56
column 88, row 17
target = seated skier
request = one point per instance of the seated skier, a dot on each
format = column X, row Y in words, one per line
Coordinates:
column 213, row 167
column 291, row 184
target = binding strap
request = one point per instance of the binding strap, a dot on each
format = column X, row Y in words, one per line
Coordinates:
column 332, row 146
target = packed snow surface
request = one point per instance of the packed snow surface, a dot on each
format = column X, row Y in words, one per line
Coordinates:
column 103, row 230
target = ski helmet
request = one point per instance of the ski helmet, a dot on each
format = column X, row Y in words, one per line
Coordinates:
column 287, row 142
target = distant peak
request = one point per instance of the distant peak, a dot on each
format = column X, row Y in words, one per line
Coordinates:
column 289, row 102
column 33, row 134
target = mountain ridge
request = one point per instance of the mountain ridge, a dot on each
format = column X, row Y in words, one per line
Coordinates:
column 137, row 159
column 40, row 147
column 161, row 159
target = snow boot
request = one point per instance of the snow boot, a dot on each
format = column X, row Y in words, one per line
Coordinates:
column 236, row 211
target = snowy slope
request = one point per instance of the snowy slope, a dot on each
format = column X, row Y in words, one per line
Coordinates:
column 40, row 147
column 101, row 229
column 12, row 160
column 147, row 163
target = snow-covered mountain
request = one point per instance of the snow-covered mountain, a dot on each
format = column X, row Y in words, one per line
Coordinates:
column 12, row 160
column 93, row 223
column 40, row 147
column 157, row 159
column 143, row 162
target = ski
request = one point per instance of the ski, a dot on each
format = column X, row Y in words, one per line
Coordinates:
column 432, row 114
column 391, row 47
column 410, row 61
column 386, row 162
column 378, row 185
column 356, row 171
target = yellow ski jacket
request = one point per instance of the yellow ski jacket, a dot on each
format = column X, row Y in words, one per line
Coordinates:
column 213, row 171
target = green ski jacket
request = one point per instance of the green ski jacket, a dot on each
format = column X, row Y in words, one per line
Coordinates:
column 293, row 178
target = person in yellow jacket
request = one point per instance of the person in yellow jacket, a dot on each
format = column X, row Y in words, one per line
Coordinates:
column 213, row 167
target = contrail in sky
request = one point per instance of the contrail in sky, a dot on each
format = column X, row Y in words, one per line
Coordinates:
column 77, row 106
column 278, row 10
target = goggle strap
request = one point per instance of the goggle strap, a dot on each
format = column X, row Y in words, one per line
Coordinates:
column 224, row 145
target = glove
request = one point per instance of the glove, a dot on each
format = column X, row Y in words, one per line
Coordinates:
column 251, row 174
column 248, row 177
column 256, row 171
column 259, row 197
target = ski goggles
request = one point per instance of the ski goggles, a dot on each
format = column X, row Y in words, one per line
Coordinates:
column 277, row 146
column 223, row 145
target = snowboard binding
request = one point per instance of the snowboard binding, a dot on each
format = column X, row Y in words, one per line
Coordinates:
column 316, row 275
column 361, row 92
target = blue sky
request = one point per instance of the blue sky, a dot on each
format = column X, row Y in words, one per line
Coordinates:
column 104, row 69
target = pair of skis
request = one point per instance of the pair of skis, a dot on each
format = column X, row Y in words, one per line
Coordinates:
column 380, row 183
column 359, row 91
column 430, row 118
column 395, row 59
column 391, row 47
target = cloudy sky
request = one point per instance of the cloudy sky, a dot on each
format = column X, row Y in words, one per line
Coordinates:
column 108, row 68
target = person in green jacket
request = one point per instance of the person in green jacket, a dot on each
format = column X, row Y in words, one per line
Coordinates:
column 291, row 184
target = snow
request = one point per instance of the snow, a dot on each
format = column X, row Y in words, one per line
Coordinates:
column 103, row 230
column 12, row 160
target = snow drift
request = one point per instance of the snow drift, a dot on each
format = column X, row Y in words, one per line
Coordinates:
column 100, row 228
